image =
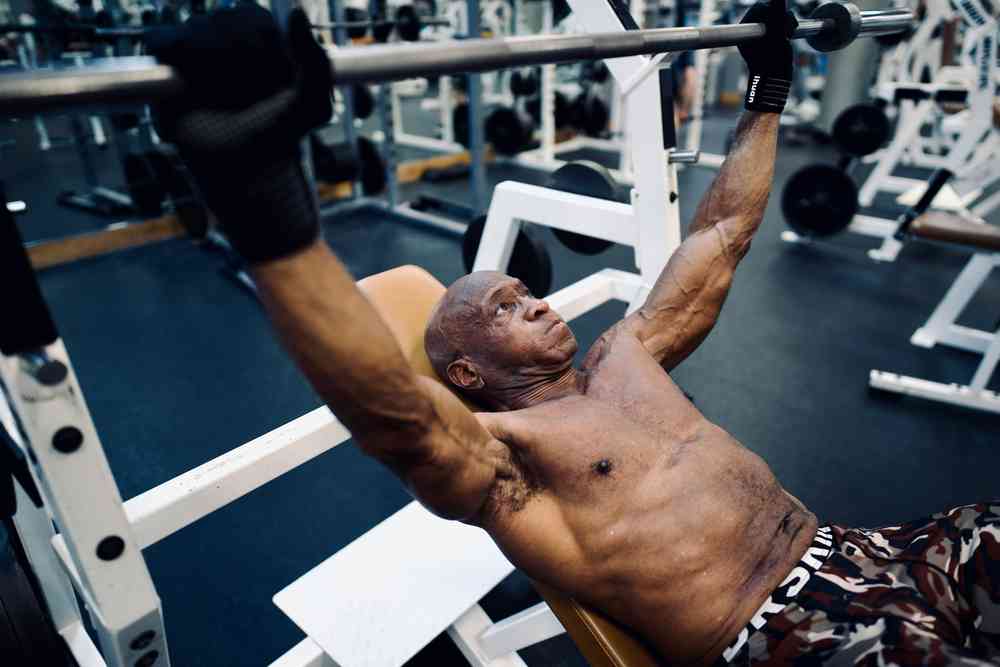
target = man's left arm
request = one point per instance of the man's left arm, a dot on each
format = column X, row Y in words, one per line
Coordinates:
column 686, row 299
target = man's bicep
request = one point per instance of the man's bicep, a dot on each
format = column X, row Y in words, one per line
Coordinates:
column 686, row 299
column 453, row 467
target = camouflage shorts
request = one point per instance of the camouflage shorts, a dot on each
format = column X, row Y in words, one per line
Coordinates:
column 923, row 593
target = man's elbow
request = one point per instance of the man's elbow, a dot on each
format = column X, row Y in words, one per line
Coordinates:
column 736, row 234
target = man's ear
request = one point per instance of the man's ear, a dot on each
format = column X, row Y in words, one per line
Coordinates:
column 464, row 374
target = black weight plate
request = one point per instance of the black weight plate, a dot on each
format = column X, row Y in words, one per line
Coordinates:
column 592, row 180
column 560, row 10
column 529, row 262
column 364, row 101
column 524, row 82
column 334, row 162
column 356, row 15
column 861, row 129
column 381, row 31
column 373, row 178
column 591, row 114
column 563, row 110
column 819, row 200
column 143, row 186
column 508, row 130
column 408, row 23
column 460, row 123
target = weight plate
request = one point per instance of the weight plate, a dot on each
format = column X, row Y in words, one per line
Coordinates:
column 861, row 129
column 592, row 180
column 460, row 123
column 529, row 262
column 508, row 130
column 373, row 177
column 819, row 200
column 356, row 15
column 524, row 82
column 563, row 110
column 408, row 23
column 590, row 114
column 381, row 32
column 364, row 101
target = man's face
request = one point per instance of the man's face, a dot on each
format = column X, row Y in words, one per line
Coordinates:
column 517, row 331
column 488, row 334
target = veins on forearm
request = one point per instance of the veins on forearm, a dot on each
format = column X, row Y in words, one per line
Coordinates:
column 740, row 190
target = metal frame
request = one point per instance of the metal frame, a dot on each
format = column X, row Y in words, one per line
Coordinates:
column 64, row 449
column 971, row 158
column 978, row 67
column 34, row 526
column 942, row 328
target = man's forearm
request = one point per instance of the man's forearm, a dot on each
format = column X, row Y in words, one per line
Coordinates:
column 739, row 193
column 342, row 345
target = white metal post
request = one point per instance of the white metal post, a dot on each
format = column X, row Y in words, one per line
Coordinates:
column 72, row 474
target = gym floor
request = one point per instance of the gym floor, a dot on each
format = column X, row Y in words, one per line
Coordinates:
column 179, row 365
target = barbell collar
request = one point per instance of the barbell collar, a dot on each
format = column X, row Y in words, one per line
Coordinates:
column 141, row 79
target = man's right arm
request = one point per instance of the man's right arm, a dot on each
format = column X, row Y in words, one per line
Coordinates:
column 687, row 297
column 412, row 425
column 240, row 139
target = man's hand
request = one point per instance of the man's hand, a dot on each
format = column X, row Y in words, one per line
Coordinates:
column 252, row 93
column 769, row 59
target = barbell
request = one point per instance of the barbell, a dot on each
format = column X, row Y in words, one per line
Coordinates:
column 141, row 79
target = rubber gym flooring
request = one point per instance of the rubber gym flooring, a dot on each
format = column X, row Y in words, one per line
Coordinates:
column 178, row 365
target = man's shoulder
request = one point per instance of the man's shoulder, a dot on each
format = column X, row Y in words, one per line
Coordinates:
column 619, row 335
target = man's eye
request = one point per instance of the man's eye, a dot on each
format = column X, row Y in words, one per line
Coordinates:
column 503, row 307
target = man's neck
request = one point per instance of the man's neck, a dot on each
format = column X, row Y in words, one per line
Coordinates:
column 568, row 382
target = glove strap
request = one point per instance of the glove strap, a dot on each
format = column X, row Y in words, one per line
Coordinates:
column 766, row 93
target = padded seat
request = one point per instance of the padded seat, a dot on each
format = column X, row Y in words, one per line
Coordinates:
column 953, row 228
column 404, row 298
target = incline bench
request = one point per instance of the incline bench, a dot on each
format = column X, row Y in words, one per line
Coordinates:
column 390, row 592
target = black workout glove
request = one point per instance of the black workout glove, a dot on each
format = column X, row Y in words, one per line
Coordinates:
column 769, row 59
column 251, row 94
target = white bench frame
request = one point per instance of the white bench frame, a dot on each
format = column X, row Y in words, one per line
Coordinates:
column 942, row 328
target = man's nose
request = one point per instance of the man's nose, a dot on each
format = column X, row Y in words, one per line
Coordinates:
column 537, row 308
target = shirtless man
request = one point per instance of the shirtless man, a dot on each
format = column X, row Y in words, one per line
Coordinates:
column 603, row 481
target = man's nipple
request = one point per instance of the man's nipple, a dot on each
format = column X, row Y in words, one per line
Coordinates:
column 603, row 467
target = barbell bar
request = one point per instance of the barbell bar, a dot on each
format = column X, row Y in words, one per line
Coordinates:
column 141, row 79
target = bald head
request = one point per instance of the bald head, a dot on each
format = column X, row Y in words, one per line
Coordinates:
column 458, row 312
column 488, row 333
